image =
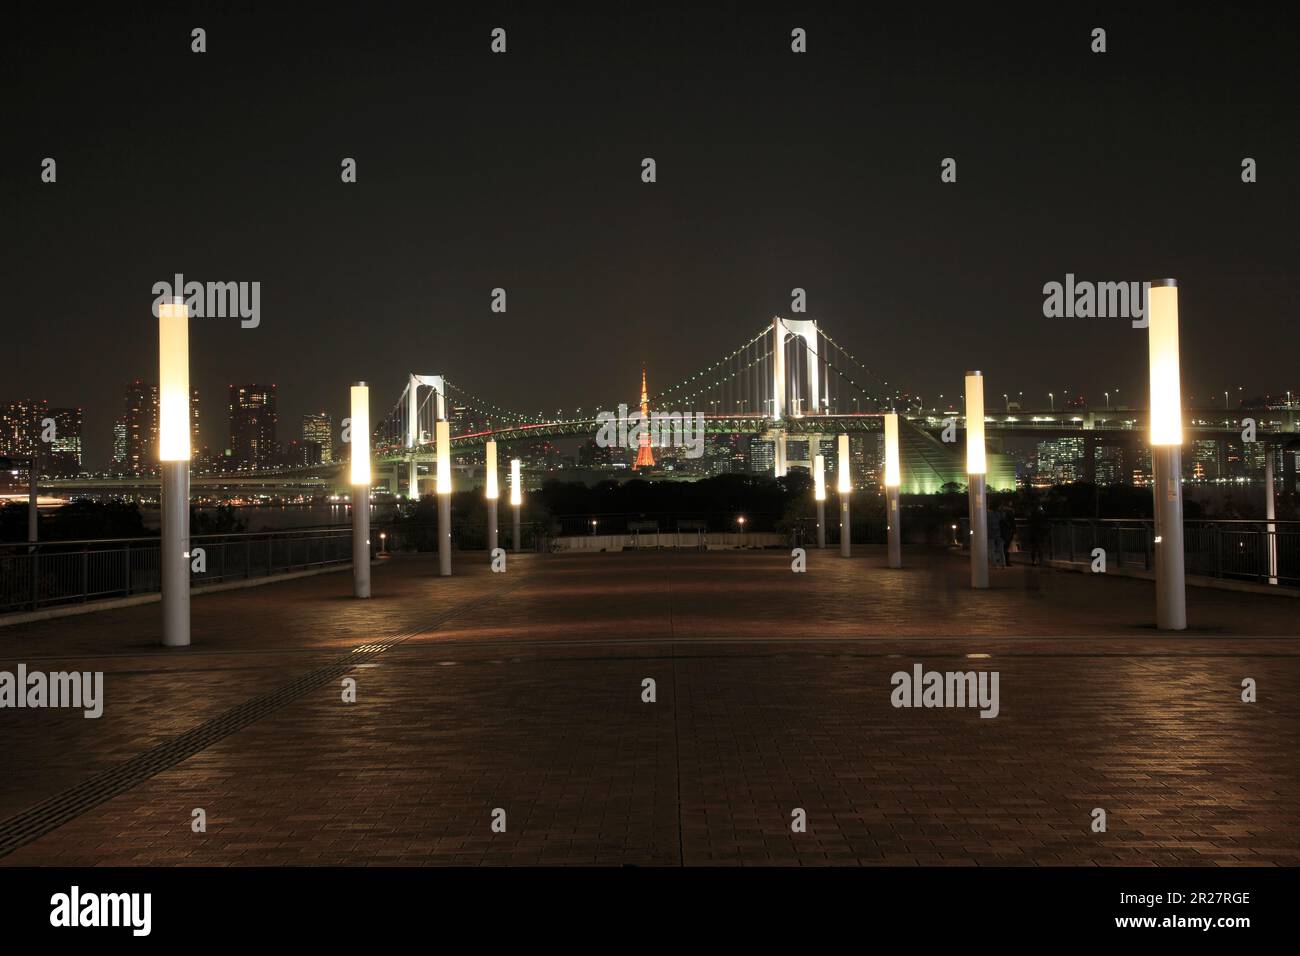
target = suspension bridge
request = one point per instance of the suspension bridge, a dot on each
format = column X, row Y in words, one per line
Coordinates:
column 790, row 384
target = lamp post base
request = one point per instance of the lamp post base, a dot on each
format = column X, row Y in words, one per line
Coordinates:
column 174, row 553
column 491, row 526
column 846, row 527
column 360, row 541
column 979, row 532
column 821, row 525
column 1167, row 486
column 895, row 529
column 444, row 535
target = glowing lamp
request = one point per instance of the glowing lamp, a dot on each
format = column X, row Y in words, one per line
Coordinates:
column 443, row 437
column 492, row 490
column 892, row 473
column 516, row 495
column 842, row 452
column 361, row 434
column 173, row 381
column 1162, row 344
column 819, row 478
column 976, row 463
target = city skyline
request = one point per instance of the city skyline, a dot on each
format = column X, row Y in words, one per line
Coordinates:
column 848, row 206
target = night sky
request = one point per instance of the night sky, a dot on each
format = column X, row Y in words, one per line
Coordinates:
column 775, row 170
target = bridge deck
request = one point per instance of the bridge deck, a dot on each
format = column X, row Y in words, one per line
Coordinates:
column 522, row 691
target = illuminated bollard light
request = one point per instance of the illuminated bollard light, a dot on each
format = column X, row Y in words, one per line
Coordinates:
column 174, row 459
column 516, row 502
column 819, row 493
column 491, row 492
column 893, row 476
column 1167, row 453
column 360, row 480
column 845, row 489
column 976, row 468
column 443, row 491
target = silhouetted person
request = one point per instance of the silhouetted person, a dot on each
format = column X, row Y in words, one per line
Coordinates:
column 1037, row 534
column 1008, row 533
column 996, row 555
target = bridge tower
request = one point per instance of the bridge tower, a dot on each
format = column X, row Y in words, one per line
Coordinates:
column 414, row 436
column 806, row 331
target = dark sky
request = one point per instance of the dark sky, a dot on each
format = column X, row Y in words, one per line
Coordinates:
column 775, row 170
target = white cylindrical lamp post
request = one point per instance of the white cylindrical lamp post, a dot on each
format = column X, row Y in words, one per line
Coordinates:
column 845, row 489
column 174, row 460
column 893, row 478
column 491, row 491
column 360, row 479
column 819, row 493
column 1167, row 453
column 976, row 472
column 516, row 503
column 443, row 491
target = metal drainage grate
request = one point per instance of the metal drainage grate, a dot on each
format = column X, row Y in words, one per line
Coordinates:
column 55, row 811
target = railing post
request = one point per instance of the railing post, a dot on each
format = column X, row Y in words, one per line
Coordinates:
column 1263, row 555
column 126, row 568
column 85, row 572
column 36, row 577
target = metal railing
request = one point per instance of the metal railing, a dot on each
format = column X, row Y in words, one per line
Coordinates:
column 1237, row 549
column 53, row 573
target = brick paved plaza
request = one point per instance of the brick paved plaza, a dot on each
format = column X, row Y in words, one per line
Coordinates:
column 523, row 691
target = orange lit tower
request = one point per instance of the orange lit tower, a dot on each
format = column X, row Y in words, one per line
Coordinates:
column 644, row 456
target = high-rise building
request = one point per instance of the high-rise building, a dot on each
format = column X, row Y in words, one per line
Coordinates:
column 762, row 457
column 1141, row 474
column 63, row 453
column 119, row 446
column 194, row 423
column 300, row 454
column 1205, row 460
column 20, row 427
column 320, row 429
column 253, row 419
column 1060, row 461
column 141, row 421
column 1110, row 465
column 867, row 459
column 136, row 453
